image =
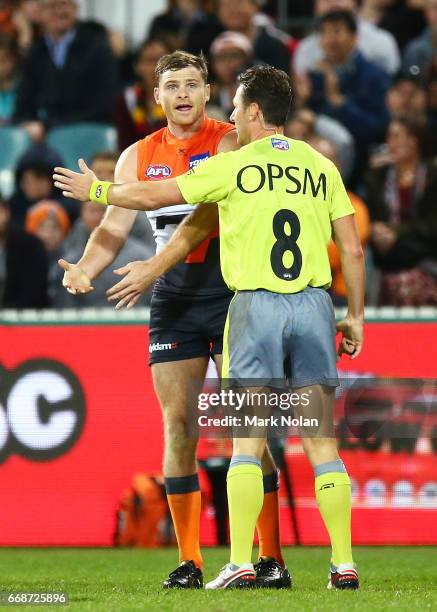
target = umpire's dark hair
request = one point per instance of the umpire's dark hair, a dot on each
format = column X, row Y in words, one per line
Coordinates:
column 347, row 18
column 270, row 88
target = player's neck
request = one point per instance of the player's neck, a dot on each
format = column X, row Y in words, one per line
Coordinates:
column 263, row 132
column 185, row 132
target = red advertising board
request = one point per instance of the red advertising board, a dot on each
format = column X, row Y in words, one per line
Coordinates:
column 78, row 418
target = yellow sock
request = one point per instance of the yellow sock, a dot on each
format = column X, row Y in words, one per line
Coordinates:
column 333, row 494
column 245, row 500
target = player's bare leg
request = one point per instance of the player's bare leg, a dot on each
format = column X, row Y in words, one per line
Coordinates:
column 332, row 484
column 173, row 385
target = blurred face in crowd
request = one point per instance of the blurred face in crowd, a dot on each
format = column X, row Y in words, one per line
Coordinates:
column 58, row 16
column 237, row 14
column 301, row 125
column 4, row 219
column 104, row 168
column 50, row 233
column 91, row 215
column 402, row 145
column 183, row 95
column 431, row 13
column 187, row 7
column 8, row 65
column 228, row 63
column 31, row 10
column 145, row 66
column 326, row 148
column 337, row 41
column 35, row 186
column 327, row 6
column 406, row 98
column 432, row 95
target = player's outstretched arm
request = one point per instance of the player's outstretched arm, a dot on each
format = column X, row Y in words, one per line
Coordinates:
column 132, row 195
column 140, row 275
column 352, row 263
column 107, row 239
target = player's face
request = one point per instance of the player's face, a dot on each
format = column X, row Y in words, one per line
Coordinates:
column 241, row 117
column 183, row 95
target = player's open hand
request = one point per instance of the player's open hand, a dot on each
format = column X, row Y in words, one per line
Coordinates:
column 138, row 276
column 351, row 342
column 75, row 280
column 75, row 185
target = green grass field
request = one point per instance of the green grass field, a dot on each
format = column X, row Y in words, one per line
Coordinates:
column 403, row 578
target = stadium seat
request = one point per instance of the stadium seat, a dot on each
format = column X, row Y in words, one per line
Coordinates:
column 14, row 143
column 82, row 140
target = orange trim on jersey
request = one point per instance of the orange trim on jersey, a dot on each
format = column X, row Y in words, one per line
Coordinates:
column 200, row 252
column 161, row 155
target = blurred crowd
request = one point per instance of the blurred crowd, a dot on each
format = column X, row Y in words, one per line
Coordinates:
column 365, row 80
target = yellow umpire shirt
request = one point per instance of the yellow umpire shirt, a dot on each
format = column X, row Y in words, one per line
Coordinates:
column 277, row 198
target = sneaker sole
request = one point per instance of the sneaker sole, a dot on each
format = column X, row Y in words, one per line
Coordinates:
column 242, row 582
column 346, row 586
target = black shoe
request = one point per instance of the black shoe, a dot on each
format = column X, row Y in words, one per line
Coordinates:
column 271, row 575
column 186, row 576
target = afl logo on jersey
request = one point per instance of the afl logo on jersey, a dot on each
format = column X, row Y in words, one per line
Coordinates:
column 158, row 172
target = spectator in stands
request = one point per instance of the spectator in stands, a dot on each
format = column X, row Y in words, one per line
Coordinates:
column 49, row 222
column 375, row 44
column 23, row 266
column 406, row 98
column 69, row 76
column 295, row 8
column 91, row 214
column 402, row 18
column 182, row 18
column 19, row 18
column 231, row 54
column 133, row 250
column 9, row 56
column 305, row 125
column 402, row 199
column 103, row 164
column 347, row 87
column 136, row 111
column 338, row 287
column 241, row 17
column 34, row 182
column 419, row 56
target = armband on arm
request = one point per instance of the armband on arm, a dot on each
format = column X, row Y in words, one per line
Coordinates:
column 99, row 192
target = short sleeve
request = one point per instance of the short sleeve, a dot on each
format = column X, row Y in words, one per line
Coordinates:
column 207, row 182
column 339, row 201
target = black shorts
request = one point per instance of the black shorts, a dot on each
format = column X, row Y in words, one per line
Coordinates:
column 186, row 327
